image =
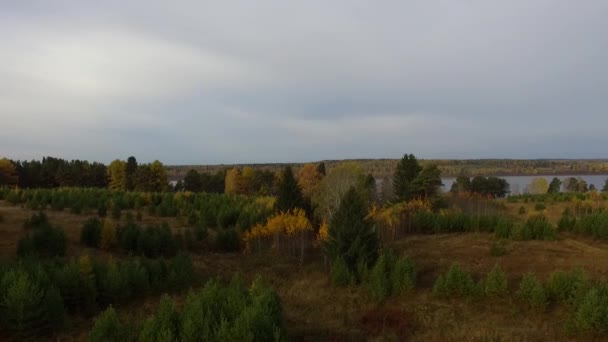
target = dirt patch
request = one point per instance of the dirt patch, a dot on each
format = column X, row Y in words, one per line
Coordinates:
column 387, row 321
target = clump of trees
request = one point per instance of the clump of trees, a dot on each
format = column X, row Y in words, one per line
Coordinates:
column 489, row 186
column 36, row 295
column 53, row 172
column 202, row 182
column 288, row 233
column 42, row 238
column 129, row 176
column 412, row 181
column 214, row 313
column 391, row 276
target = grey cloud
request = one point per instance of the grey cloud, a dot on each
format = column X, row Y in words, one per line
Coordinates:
column 213, row 82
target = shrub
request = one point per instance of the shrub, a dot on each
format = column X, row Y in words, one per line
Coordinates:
column 595, row 225
column 43, row 242
column 495, row 284
column 566, row 222
column 455, row 282
column 37, row 220
column 591, row 313
column 163, row 325
column 214, row 313
column 107, row 327
column 532, row 292
column 91, row 233
column 522, row 210
column 28, row 307
column 340, row 273
column 404, row 276
column 227, row 218
column 569, row 287
column 536, row 228
column 540, row 207
column 503, row 229
column 379, row 282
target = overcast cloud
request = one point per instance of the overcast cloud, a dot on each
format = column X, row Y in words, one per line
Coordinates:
column 190, row 82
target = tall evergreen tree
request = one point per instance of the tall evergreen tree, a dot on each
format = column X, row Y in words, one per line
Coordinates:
column 130, row 171
column 405, row 174
column 351, row 234
column 193, row 181
column 605, row 188
column 289, row 194
column 555, row 186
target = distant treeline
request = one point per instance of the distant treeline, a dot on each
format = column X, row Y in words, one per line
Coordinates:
column 383, row 168
column 53, row 172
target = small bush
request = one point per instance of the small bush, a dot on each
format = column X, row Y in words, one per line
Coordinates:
column 495, row 284
column 522, row 210
column 536, row 228
column 108, row 328
column 91, row 233
column 455, row 282
column 591, row 313
column 540, row 207
column 568, row 288
column 532, row 292
column 340, row 274
column 566, row 222
column 43, row 242
column 379, row 282
column 29, row 307
column 37, row 220
column 503, row 229
column 404, row 276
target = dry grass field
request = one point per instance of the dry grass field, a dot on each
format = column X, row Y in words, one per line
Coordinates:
column 314, row 310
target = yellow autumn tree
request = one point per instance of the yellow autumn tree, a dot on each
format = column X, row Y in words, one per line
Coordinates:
column 538, row 185
column 308, row 178
column 232, row 181
column 396, row 221
column 8, row 173
column 286, row 232
column 108, row 235
column 117, row 172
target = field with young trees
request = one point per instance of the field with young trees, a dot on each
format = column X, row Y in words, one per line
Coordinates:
column 312, row 252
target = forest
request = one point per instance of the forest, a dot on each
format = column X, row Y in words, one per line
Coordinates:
column 312, row 252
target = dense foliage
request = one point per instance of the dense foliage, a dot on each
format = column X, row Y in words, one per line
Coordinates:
column 34, row 295
column 213, row 313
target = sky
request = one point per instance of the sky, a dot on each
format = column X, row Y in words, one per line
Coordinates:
column 212, row 82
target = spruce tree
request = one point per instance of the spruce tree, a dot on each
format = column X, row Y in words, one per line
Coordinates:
column 130, row 170
column 289, row 194
column 554, row 186
column 352, row 236
column 405, row 174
